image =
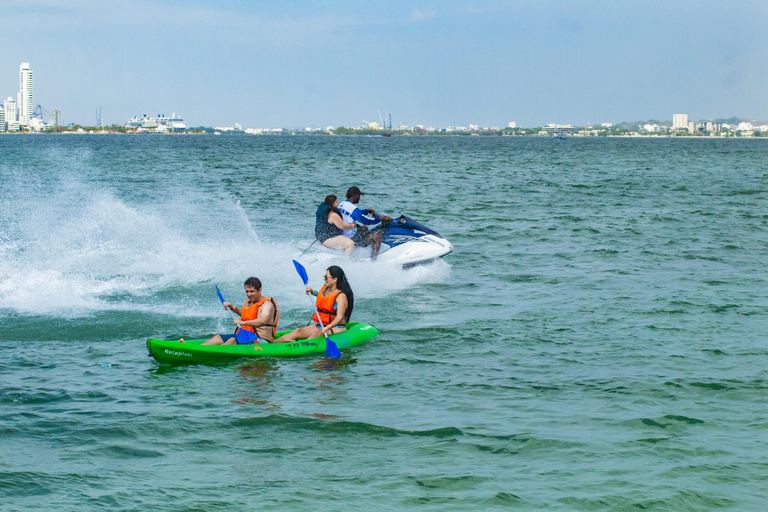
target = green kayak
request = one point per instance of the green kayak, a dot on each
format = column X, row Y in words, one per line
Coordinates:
column 191, row 351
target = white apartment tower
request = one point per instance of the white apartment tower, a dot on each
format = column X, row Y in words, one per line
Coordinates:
column 57, row 117
column 680, row 121
column 2, row 119
column 11, row 124
column 25, row 106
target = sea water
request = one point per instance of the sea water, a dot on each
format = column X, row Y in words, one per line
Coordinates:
column 596, row 341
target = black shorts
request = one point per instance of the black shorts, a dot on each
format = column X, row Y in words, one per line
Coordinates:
column 361, row 238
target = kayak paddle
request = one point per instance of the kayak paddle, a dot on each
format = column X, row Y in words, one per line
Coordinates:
column 331, row 350
column 305, row 250
column 242, row 335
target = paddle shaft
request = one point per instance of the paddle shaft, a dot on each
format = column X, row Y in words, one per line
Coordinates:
column 317, row 314
column 242, row 335
column 233, row 315
column 305, row 250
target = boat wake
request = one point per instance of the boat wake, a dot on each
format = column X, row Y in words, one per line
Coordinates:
column 74, row 250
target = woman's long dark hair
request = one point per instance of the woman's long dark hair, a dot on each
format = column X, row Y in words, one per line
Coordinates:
column 329, row 200
column 343, row 285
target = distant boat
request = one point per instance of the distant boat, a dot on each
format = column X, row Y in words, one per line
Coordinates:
column 386, row 134
column 560, row 136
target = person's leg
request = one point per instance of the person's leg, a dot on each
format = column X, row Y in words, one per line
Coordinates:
column 302, row 333
column 375, row 240
column 360, row 238
column 218, row 340
column 341, row 242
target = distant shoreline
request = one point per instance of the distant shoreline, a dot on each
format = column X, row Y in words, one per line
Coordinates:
column 682, row 137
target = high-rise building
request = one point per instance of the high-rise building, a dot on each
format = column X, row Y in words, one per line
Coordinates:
column 25, row 106
column 57, row 117
column 680, row 121
column 11, row 124
column 2, row 119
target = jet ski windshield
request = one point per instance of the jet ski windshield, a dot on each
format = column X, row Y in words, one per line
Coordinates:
column 408, row 225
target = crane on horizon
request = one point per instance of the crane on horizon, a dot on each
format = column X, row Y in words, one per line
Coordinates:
column 40, row 112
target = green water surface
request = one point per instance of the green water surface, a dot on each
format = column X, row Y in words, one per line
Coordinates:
column 596, row 341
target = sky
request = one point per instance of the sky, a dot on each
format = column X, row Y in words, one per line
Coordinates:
column 297, row 64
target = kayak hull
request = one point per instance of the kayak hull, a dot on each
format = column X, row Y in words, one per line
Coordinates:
column 191, row 351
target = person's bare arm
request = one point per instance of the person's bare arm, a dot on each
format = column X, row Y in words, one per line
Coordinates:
column 334, row 219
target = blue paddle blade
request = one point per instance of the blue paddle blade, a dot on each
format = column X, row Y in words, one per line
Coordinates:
column 245, row 336
column 302, row 272
column 218, row 292
column 331, row 350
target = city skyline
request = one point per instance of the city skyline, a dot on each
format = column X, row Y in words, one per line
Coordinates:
column 437, row 64
column 21, row 115
column 22, row 110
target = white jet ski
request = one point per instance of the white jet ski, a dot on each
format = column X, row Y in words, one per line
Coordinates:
column 405, row 242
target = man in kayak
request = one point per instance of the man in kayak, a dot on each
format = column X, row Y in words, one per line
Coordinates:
column 350, row 214
column 259, row 315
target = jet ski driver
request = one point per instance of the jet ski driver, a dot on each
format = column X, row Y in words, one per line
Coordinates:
column 350, row 214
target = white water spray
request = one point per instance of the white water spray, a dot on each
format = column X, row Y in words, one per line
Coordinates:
column 75, row 250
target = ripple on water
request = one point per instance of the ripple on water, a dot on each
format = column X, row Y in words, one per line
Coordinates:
column 595, row 340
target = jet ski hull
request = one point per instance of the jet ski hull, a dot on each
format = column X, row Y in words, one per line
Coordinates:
column 405, row 242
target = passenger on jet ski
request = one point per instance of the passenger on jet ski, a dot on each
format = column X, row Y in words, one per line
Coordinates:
column 328, row 226
column 350, row 214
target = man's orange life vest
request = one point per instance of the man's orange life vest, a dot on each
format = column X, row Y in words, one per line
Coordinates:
column 326, row 306
column 252, row 312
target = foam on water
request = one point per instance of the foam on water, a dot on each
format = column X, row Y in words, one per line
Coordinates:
column 374, row 280
column 69, row 248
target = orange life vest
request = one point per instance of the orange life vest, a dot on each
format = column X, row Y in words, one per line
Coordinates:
column 326, row 306
column 252, row 312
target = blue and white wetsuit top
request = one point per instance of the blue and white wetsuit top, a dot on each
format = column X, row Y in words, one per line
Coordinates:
column 350, row 213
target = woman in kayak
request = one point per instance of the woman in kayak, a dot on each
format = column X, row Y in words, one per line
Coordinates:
column 335, row 302
column 328, row 226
